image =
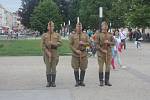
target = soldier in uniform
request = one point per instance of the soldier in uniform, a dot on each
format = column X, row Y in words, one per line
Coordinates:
column 50, row 42
column 78, row 43
column 104, row 42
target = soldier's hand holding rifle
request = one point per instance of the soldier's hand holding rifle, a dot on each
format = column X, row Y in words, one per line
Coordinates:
column 106, row 47
column 104, row 51
column 107, row 42
column 78, row 52
column 81, row 43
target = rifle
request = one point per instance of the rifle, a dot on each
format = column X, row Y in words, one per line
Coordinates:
column 80, row 49
column 106, row 46
column 48, row 51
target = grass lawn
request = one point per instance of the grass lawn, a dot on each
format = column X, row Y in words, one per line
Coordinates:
column 27, row 48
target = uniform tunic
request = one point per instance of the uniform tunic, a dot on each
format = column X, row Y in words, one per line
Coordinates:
column 52, row 48
column 79, row 61
column 100, row 45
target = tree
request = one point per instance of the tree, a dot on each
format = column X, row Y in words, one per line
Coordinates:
column 139, row 16
column 26, row 11
column 74, row 11
column 131, row 13
column 89, row 12
column 45, row 11
column 63, row 6
column 119, row 12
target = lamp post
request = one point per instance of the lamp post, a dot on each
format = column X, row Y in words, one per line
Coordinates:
column 100, row 16
column 69, row 26
column 64, row 29
column 78, row 19
column 110, row 26
column 61, row 29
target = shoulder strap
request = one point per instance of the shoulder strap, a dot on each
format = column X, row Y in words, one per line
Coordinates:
column 122, row 33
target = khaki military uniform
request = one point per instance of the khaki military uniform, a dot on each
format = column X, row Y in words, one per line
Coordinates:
column 79, row 61
column 103, row 57
column 56, row 42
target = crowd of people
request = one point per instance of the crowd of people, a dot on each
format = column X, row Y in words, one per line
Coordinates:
column 21, row 34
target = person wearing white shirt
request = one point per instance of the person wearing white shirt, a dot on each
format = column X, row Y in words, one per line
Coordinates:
column 123, row 36
column 116, row 51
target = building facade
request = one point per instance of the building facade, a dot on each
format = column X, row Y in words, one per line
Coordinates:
column 8, row 21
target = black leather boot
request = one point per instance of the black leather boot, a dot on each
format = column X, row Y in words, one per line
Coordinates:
column 48, row 80
column 101, row 79
column 76, row 75
column 107, row 74
column 53, row 80
column 82, row 74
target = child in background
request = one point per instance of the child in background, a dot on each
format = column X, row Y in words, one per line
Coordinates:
column 116, row 51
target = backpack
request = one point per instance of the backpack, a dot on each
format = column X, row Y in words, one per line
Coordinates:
column 139, row 35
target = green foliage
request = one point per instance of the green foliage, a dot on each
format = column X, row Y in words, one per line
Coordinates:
column 89, row 12
column 139, row 16
column 63, row 6
column 43, row 13
column 120, row 13
column 131, row 13
column 74, row 11
column 26, row 11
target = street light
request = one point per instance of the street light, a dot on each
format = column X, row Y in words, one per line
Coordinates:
column 69, row 22
column 69, row 26
column 100, row 16
column 61, row 30
column 64, row 29
column 78, row 20
column 110, row 26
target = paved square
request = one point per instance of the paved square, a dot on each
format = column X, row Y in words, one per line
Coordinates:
column 24, row 78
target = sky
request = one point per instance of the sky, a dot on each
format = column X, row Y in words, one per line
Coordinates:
column 11, row 5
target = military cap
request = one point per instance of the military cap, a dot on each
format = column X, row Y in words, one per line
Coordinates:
column 79, row 24
column 104, row 23
column 51, row 23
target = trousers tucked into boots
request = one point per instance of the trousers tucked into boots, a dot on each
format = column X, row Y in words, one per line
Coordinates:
column 48, row 80
column 101, row 78
column 76, row 75
column 82, row 74
column 107, row 75
column 51, row 80
column 79, row 82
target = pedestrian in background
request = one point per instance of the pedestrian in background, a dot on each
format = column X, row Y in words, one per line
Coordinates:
column 123, row 36
column 138, row 38
column 116, row 51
